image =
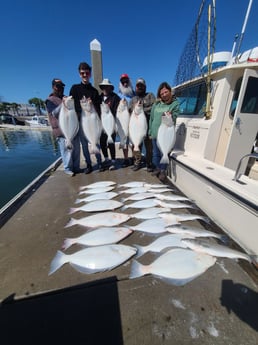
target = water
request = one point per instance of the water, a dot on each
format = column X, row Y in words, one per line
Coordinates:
column 23, row 156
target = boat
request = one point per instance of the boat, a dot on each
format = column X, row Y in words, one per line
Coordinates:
column 215, row 157
column 36, row 121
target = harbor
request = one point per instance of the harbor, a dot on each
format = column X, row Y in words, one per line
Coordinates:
column 220, row 306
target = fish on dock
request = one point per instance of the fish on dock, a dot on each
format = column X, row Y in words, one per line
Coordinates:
column 153, row 226
column 100, row 219
column 195, row 232
column 98, row 184
column 97, row 206
column 97, row 196
column 139, row 196
column 94, row 259
column 96, row 190
column 177, row 266
column 171, row 218
column 161, row 243
column 217, row 250
column 149, row 213
column 98, row 237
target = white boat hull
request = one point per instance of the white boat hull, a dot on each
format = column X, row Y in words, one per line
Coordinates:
column 230, row 204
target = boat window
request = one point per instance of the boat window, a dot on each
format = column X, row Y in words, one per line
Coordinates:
column 250, row 102
column 235, row 97
column 192, row 99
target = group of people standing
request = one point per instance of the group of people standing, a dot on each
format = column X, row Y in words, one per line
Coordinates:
column 153, row 108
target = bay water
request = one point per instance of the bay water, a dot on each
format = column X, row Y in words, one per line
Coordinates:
column 24, row 154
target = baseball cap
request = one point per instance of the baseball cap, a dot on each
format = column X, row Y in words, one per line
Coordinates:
column 57, row 81
column 140, row 81
column 124, row 76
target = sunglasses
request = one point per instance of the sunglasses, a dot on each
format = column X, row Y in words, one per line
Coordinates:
column 87, row 73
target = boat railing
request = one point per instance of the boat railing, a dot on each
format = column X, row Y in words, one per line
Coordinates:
column 238, row 173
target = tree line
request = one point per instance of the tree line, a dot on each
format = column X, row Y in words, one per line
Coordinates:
column 39, row 104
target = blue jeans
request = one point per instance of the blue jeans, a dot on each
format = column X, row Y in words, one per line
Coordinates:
column 80, row 138
column 66, row 154
column 156, row 156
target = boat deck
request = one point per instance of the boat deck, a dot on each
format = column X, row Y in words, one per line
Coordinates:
column 69, row 307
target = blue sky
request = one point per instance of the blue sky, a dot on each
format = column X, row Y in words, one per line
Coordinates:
column 41, row 40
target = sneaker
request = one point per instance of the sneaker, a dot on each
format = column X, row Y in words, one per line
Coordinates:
column 150, row 168
column 112, row 165
column 69, row 173
column 155, row 172
column 136, row 167
column 125, row 163
column 88, row 170
column 162, row 176
column 101, row 167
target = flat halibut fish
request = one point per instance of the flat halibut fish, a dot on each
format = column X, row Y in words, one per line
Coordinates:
column 145, row 203
column 177, row 266
column 171, row 197
column 166, row 137
column 97, row 196
column 195, row 232
column 137, row 126
column 174, row 204
column 171, row 218
column 108, row 121
column 151, row 226
column 100, row 219
column 101, row 236
column 68, row 120
column 161, row 243
column 98, row 184
column 96, row 190
column 94, row 259
column 97, row 206
column 122, row 122
column 149, row 213
column 134, row 190
column 139, row 196
column 217, row 250
column 91, row 124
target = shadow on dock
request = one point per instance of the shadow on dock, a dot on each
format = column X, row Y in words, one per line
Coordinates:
column 84, row 314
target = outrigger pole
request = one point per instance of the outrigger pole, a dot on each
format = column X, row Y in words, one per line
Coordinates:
column 240, row 38
column 209, row 64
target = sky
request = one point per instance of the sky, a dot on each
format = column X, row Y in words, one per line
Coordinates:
column 42, row 40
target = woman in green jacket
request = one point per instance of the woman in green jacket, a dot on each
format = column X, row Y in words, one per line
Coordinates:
column 167, row 103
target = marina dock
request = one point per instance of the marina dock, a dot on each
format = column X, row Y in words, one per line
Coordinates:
column 219, row 307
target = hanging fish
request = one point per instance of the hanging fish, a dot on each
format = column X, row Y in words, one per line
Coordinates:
column 177, row 266
column 94, row 259
column 166, row 137
column 108, row 121
column 101, row 236
column 68, row 120
column 122, row 122
column 137, row 125
column 91, row 124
